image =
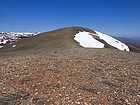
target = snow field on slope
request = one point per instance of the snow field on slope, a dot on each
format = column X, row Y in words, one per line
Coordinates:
column 113, row 42
column 87, row 41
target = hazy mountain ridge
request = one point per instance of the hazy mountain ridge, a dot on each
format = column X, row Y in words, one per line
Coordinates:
column 132, row 42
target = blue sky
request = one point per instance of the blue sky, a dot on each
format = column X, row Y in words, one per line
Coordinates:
column 113, row 17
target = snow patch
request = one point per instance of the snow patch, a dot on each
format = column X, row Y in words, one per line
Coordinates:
column 3, row 42
column 14, row 46
column 1, row 46
column 113, row 42
column 87, row 41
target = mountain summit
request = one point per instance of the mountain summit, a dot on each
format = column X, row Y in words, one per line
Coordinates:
column 70, row 37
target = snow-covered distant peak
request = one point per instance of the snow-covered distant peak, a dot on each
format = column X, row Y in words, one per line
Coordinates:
column 11, row 37
column 87, row 40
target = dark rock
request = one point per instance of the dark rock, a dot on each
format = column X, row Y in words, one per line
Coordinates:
column 41, row 102
column 25, row 67
column 25, row 80
column 115, row 102
column 110, row 84
column 131, row 90
column 55, row 70
column 11, row 99
column 120, row 80
column 96, row 68
column 54, row 85
column 22, row 94
column 88, row 88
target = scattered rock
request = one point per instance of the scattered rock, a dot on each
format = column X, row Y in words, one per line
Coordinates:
column 41, row 102
column 88, row 88
column 96, row 68
column 54, row 85
column 54, row 68
column 110, row 84
column 57, row 103
column 120, row 80
column 81, row 79
column 25, row 67
column 25, row 80
column 131, row 90
column 11, row 99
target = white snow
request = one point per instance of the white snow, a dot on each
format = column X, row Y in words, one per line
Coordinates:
column 113, row 42
column 1, row 46
column 3, row 42
column 14, row 46
column 86, row 40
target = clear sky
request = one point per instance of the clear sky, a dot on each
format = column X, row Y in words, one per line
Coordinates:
column 113, row 17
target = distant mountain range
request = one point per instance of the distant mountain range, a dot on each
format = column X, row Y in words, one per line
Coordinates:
column 11, row 37
column 70, row 37
column 133, row 40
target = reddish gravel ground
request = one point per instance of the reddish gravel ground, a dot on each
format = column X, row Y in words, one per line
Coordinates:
column 70, row 77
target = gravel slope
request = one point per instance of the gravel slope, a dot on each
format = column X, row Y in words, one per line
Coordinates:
column 70, row 77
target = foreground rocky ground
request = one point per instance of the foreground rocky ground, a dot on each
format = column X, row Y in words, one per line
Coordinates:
column 70, row 77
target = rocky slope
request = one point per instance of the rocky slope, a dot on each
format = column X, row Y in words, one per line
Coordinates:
column 74, row 76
